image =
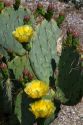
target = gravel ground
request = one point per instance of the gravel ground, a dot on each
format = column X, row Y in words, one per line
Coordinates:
column 70, row 115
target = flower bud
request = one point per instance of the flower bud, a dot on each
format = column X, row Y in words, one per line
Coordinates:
column 7, row 3
column 73, row 32
column 27, row 74
column 39, row 5
column 3, row 66
column 50, row 7
column 26, row 18
column 20, row 78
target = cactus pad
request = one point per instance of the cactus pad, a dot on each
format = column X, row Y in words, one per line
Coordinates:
column 24, row 116
column 18, row 64
column 9, row 20
column 43, row 52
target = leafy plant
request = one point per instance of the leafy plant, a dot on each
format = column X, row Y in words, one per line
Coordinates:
column 40, row 9
column 47, row 14
column 60, row 19
column 16, row 4
column 1, row 6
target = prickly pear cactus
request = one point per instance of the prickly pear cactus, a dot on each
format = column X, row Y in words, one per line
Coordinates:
column 1, row 6
column 17, row 4
column 24, row 116
column 7, row 95
column 9, row 20
column 3, row 53
column 18, row 64
column 43, row 55
column 69, row 78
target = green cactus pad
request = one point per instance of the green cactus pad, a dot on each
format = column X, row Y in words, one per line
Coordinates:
column 22, row 112
column 3, row 53
column 43, row 55
column 9, row 20
column 69, row 81
column 1, row 6
column 46, row 121
column 7, row 96
column 18, row 64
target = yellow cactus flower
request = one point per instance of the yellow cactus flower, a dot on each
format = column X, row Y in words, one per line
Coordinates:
column 23, row 33
column 36, row 89
column 42, row 108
